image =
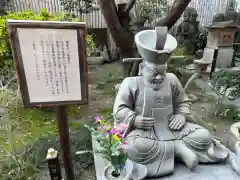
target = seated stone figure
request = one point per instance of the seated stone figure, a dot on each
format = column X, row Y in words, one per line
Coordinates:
column 157, row 111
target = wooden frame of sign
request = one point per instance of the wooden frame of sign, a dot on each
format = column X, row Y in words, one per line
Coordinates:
column 51, row 65
column 50, row 60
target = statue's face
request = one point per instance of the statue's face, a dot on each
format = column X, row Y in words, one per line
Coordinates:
column 153, row 73
column 186, row 16
column 194, row 17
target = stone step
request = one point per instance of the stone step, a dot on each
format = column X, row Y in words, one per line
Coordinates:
column 202, row 172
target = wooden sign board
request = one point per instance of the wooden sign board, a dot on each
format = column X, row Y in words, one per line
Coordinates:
column 50, row 59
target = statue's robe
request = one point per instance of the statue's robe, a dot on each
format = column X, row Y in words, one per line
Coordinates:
column 155, row 148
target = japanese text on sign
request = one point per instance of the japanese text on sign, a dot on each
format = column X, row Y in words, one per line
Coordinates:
column 51, row 64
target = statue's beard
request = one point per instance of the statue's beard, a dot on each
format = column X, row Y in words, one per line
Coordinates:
column 152, row 81
column 156, row 83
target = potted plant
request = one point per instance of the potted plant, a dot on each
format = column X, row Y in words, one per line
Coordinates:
column 111, row 144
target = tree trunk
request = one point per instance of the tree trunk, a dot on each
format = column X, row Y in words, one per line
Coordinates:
column 117, row 23
column 130, row 69
column 120, row 36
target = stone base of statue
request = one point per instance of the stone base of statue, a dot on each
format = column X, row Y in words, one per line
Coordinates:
column 181, row 172
column 202, row 172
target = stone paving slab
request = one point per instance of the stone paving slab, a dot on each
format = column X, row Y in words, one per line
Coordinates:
column 202, row 172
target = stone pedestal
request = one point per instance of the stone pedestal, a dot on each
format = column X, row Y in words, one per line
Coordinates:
column 95, row 60
column 224, row 58
column 202, row 172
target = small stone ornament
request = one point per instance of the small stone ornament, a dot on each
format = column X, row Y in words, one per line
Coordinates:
column 54, row 164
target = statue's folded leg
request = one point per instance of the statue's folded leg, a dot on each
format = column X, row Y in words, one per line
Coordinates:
column 157, row 156
column 207, row 149
column 210, row 150
column 185, row 154
column 234, row 158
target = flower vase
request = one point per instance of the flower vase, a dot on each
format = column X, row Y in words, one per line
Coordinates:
column 124, row 175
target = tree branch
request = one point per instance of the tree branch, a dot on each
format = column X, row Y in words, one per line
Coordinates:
column 129, row 6
column 174, row 14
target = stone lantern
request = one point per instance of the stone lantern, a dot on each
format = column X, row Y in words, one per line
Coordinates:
column 200, row 69
column 221, row 35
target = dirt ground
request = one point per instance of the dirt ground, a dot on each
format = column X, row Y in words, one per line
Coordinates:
column 204, row 111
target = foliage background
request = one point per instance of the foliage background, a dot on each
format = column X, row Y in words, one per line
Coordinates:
column 26, row 134
column 151, row 9
column 5, row 49
column 78, row 6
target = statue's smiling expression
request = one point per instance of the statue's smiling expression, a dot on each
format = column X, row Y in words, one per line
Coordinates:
column 153, row 73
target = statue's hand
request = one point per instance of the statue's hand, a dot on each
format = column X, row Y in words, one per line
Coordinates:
column 177, row 121
column 145, row 123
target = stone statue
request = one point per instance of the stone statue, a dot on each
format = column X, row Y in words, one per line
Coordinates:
column 188, row 29
column 158, row 114
column 105, row 54
column 2, row 7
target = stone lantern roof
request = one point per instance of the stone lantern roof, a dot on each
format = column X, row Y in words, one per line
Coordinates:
column 224, row 24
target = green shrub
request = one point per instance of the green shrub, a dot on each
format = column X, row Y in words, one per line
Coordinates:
column 27, row 135
column 179, row 51
column 227, row 79
column 178, row 65
column 44, row 15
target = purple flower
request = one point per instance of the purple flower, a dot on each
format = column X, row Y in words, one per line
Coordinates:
column 121, row 136
column 113, row 131
column 98, row 119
